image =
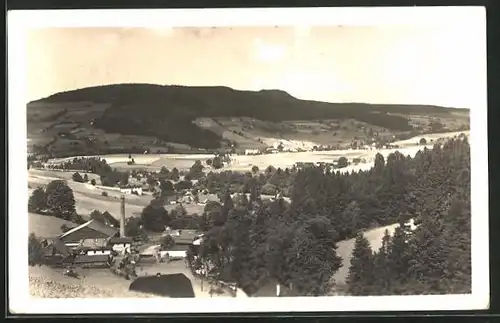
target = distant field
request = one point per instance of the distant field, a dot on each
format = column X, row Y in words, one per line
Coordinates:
column 154, row 162
column 430, row 137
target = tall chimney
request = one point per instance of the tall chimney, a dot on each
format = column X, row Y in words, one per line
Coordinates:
column 122, row 217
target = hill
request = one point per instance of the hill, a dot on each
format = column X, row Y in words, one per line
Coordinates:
column 171, row 114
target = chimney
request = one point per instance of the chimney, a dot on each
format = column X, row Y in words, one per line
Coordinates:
column 122, row 217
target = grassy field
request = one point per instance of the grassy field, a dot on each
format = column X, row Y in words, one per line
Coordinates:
column 46, row 226
column 344, row 249
column 48, row 282
column 89, row 198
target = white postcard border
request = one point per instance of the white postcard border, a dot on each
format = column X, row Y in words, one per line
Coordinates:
column 20, row 21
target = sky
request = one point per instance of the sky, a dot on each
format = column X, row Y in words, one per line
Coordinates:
column 407, row 64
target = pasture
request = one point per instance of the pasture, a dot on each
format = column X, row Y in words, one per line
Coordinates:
column 89, row 198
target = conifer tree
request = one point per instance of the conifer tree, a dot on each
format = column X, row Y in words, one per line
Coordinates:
column 361, row 270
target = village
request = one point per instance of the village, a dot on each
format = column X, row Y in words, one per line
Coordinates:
column 101, row 243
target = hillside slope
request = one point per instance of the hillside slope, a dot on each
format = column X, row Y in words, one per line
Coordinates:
column 169, row 113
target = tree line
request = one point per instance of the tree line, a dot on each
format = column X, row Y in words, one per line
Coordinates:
column 250, row 241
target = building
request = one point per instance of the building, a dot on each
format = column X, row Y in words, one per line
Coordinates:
column 89, row 230
column 274, row 289
column 131, row 190
column 252, row 152
column 120, row 244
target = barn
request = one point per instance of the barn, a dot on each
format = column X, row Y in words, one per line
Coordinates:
column 89, row 230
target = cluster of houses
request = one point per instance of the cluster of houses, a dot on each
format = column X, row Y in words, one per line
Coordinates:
column 93, row 243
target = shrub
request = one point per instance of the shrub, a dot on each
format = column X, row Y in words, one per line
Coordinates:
column 104, row 193
column 78, row 178
column 35, row 250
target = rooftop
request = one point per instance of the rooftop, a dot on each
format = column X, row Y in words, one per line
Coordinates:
column 94, row 225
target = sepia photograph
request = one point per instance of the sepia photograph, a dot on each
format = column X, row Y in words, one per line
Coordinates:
column 248, row 160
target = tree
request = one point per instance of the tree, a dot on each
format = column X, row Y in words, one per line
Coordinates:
column 269, row 189
column 85, row 178
column 76, row 218
column 361, row 273
column 64, row 228
column 379, row 163
column 422, row 141
column 167, row 188
column 174, row 175
column 37, row 201
column 183, row 185
column 155, row 217
column 78, row 178
column 167, row 242
column 351, row 220
column 133, row 227
column 60, row 199
column 270, row 170
column 35, row 250
column 110, row 219
column 342, row 162
column 196, row 170
column 93, row 182
column 217, row 162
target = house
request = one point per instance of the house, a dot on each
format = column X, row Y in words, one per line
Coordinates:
column 274, row 289
column 252, row 151
column 131, row 190
column 89, row 230
column 182, row 237
column 55, row 248
column 120, row 244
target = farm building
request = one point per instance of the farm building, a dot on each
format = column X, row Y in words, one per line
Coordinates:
column 274, row 289
column 131, row 190
column 89, row 230
column 173, row 285
column 120, row 244
column 252, row 151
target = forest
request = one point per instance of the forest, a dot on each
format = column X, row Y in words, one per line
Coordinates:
column 251, row 242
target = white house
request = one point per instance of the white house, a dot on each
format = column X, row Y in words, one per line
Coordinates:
column 130, row 190
column 251, row 151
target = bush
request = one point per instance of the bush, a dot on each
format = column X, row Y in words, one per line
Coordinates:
column 104, row 193
column 60, row 199
column 167, row 242
column 93, row 182
column 422, row 141
column 35, row 250
column 37, row 201
column 269, row 189
column 342, row 162
column 217, row 163
column 78, row 178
